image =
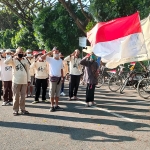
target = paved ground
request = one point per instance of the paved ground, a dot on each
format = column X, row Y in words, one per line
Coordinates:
column 119, row 122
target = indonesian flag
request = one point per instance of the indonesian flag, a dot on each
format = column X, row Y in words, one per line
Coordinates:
column 118, row 41
column 145, row 23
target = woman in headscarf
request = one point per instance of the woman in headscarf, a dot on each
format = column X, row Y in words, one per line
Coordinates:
column 91, row 74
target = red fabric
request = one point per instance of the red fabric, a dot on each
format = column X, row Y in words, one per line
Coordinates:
column 36, row 52
column 114, row 29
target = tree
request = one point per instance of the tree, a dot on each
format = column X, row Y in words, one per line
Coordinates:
column 100, row 9
column 5, row 38
column 54, row 27
column 24, row 38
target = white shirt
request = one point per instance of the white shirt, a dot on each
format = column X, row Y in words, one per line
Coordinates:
column 55, row 66
column 6, row 71
column 75, row 67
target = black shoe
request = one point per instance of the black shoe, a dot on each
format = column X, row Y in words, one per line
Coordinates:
column 58, row 108
column 52, row 109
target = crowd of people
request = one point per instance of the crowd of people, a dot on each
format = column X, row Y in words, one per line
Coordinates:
column 20, row 71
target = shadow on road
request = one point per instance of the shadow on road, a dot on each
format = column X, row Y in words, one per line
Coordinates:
column 75, row 133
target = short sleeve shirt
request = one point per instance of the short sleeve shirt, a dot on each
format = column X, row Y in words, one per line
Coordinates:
column 55, row 66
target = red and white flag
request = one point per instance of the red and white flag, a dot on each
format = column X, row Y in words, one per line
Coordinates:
column 145, row 23
column 118, row 41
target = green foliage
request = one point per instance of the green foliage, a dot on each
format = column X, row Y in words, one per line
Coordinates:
column 54, row 27
column 103, row 10
column 25, row 38
column 90, row 25
column 5, row 38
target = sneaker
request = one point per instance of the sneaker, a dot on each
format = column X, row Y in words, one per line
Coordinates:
column 93, row 104
column 58, row 108
column 34, row 102
column 10, row 103
column 4, row 103
column 52, row 109
column 45, row 101
column 87, row 105
column 62, row 94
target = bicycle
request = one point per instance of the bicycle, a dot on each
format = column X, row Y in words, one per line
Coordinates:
column 133, row 78
column 116, row 79
column 143, row 87
column 104, row 76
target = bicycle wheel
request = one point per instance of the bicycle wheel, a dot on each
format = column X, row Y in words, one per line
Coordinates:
column 100, row 81
column 144, row 88
column 115, row 83
column 123, row 85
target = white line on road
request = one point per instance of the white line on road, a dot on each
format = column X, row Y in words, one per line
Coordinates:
column 108, row 111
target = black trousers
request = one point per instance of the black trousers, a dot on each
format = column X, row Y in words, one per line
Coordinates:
column 38, row 84
column 73, row 85
column 90, row 93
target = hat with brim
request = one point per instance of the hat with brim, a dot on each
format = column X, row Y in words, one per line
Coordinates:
column 88, row 50
column 8, row 51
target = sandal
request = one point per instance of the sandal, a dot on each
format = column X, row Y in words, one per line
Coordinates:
column 69, row 99
column 76, row 98
column 24, row 112
column 15, row 113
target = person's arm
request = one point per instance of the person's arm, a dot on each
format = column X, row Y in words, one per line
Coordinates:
column 84, row 62
column 47, row 54
column 32, row 66
column 68, row 58
column 28, row 74
column 9, row 61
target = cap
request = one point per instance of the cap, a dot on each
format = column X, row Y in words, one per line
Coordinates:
column 8, row 51
column 28, row 51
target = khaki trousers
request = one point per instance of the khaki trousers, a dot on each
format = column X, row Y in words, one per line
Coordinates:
column 19, row 92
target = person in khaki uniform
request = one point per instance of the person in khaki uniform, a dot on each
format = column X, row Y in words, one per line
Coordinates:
column 20, row 79
column 65, row 71
column 30, row 60
column 41, row 76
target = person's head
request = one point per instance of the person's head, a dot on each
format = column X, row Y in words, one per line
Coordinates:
column 56, row 53
column 93, row 57
column 3, row 53
column 29, row 53
column 8, row 53
column 38, row 56
column 20, row 52
column 61, row 56
column 77, row 53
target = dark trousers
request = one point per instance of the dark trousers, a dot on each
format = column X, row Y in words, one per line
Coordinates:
column 7, row 93
column 62, row 86
column 90, row 93
column 38, row 84
column 73, row 85
column 0, row 89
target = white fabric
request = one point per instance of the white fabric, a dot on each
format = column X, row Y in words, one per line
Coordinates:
column 127, row 49
column 145, row 23
column 41, row 69
column 55, row 66
column 74, row 70
column 19, row 75
column 31, row 71
column 6, row 71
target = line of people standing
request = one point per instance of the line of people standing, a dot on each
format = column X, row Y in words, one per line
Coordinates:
column 25, row 70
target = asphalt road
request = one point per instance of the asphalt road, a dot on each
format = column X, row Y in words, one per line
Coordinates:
column 119, row 122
